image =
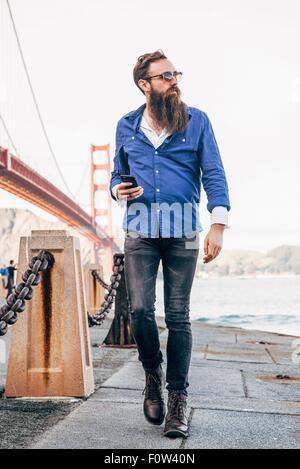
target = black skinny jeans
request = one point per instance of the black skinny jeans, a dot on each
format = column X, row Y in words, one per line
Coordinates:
column 142, row 258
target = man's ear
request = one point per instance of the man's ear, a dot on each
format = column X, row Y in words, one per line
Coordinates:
column 144, row 85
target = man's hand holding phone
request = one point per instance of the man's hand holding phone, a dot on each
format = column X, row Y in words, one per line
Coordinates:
column 125, row 190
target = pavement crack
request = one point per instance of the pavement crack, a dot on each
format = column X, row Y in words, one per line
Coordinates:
column 271, row 356
column 120, row 388
column 247, row 411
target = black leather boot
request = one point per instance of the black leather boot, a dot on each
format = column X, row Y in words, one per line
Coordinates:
column 176, row 419
column 154, row 406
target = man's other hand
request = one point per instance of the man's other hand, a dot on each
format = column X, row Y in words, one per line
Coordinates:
column 213, row 242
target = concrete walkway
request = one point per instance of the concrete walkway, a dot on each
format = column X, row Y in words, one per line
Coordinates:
column 235, row 398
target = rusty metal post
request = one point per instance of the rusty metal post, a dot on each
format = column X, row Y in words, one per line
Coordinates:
column 120, row 333
column 50, row 352
column 94, row 291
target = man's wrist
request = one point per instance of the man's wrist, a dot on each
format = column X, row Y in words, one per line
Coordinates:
column 218, row 226
column 115, row 191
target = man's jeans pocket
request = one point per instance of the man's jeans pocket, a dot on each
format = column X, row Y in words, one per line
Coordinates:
column 132, row 235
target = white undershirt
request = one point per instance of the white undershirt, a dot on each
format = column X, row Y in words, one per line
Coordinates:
column 155, row 139
column 218, row 214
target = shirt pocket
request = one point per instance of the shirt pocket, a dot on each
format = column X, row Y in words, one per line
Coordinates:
column 129, row 144
column 138, row 156
column 184, row 142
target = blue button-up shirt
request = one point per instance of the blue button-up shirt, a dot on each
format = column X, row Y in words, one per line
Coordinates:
column 171, row 175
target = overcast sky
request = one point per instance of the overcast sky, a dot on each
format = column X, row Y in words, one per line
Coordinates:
column 240, row 61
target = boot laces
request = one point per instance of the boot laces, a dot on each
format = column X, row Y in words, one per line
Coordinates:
column 152, row 388
column 177, row 406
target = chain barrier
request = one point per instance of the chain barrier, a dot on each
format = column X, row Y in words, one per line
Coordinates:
column 16, row 301
column 109, row 298
column 100, row 280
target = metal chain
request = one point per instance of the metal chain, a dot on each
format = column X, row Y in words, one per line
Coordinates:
column 109, row 298
column 16, row 301
column 99, row 279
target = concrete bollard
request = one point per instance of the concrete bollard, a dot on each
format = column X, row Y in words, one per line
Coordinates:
column 50, row 353
column 94, row 291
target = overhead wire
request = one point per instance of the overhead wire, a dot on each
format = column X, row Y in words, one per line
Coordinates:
column 36, row 102
column 9, row 135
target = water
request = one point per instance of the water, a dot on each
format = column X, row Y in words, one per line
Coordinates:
column 266, row 304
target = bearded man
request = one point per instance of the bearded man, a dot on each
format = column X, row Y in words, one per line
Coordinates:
column 170, row 148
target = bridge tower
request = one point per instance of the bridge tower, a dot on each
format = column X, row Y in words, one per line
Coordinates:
column 101, row 202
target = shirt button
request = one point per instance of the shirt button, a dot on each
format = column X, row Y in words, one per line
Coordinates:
column 157, row 171
column 183, row 139
column 156, row 152
column 157, row 190
column 133, row 138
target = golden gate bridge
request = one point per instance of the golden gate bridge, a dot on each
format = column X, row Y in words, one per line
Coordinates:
column 18, row 177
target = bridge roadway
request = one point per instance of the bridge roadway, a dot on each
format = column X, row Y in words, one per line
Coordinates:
column 19, row 179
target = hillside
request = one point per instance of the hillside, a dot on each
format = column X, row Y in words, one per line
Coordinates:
column 280, row 260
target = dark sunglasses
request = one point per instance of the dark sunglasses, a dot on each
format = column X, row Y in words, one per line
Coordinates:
column 167, row 76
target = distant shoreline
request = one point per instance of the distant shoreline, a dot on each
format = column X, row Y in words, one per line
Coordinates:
column 213, row 277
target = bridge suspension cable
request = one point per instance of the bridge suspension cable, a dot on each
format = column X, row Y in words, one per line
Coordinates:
column 8, row 134
column 36, row 102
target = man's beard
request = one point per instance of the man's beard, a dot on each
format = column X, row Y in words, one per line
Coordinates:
column 168, row 111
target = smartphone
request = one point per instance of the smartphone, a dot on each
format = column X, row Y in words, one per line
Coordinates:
column 129, row 178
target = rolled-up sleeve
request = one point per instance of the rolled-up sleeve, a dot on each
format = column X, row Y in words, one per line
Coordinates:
column 212, row 171
column 120, row 162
